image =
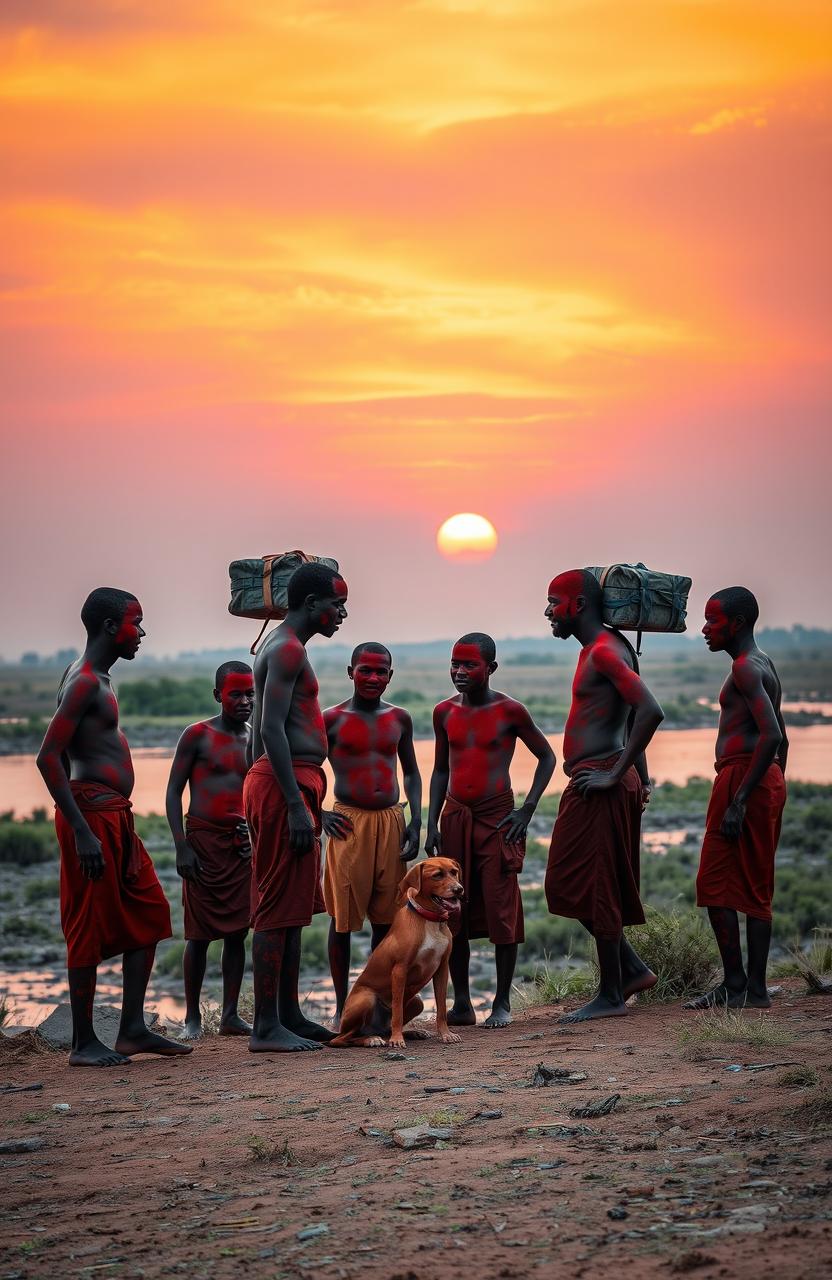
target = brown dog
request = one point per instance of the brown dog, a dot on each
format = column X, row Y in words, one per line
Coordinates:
column 416, row 948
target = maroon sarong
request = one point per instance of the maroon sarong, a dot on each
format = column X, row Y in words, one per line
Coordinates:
column 285, row 886
column 740, row 873
column 593, row 869
column 219, row 902
column 492, row 907
column 126, row 909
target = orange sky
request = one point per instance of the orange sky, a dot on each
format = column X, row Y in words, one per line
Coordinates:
column 325, row 273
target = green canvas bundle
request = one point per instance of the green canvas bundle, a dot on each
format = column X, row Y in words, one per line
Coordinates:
column 640, row 599
column 259, row 587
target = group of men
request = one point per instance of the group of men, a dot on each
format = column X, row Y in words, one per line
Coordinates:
column 249, row 849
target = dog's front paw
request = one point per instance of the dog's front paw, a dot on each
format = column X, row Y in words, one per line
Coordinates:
column 396, row 1042
column 449, row 1037
column 376, row 1042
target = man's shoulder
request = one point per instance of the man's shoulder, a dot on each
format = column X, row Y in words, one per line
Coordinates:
column 447, row 704
column 79, row 680
column 333, row 715
column 284, row 651
column 609, row 647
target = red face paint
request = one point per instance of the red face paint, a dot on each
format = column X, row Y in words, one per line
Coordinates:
column 332, row 609
column 130, row 632
column 469, row 669
column 719, row 628
column 561, row 609
column 237, row 696
column 370, row 675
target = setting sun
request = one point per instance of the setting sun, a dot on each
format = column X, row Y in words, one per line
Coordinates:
column 467, row 537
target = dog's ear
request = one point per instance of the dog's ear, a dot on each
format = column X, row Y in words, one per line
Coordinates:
column 413, row 880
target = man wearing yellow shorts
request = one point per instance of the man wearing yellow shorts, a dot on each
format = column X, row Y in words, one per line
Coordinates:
column 368, row 841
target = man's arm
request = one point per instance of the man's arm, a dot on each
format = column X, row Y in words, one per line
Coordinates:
column 76, row 699
column 529, row 734
column 184, row 759
column 412, row 781
column 285, row 664
column 333, row 823
column 438, row 782
column 748, row 681
column 649, row 715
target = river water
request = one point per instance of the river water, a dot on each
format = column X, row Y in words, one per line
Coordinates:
column 675, row 755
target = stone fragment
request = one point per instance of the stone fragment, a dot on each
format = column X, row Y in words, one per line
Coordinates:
column 420, row 1135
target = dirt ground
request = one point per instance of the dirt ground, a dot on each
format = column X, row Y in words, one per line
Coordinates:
column 226, row 1164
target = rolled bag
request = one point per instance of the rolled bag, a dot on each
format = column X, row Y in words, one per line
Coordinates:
column 640, row 599
column 259, row 587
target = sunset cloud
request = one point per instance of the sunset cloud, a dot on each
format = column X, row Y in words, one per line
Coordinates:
column 504, row 255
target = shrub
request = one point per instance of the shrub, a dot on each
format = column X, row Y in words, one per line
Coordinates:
column 41, row 888
column 731, row 1026
column 27, row 843
column 680, row 949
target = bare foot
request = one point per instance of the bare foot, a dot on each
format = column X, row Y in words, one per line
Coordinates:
column 234, row 1026
column 639, row 982
column 500, row 1016
column 721, row 997
column 462, row 1015
column 150, row 1042
column 600, row 1007
column 279, row 1039
column 757, row 999
column 192, row 1031
column 96, row 1054
column 306, row 1030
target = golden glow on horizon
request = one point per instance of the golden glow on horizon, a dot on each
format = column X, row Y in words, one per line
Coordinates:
column 467, row 538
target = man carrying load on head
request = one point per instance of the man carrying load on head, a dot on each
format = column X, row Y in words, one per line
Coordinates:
column 283, row 794
column 593, row 869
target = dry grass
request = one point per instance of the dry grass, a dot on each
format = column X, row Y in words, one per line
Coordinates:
column 815, row 1112
column 733, row 1026
column 797, row 1078
column 273, row 1152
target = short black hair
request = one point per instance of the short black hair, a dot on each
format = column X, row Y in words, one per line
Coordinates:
column 371, row 646
column 484, row 643
column 104, row 603
column 738, row 602
column 310, row 580
column 230, row 669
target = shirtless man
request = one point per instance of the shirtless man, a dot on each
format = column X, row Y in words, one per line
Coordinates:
column 111, row 900
column 283, row 794
column 593, row 869
column 368, row 845
column 213, row 853
column 736, row 870
column 476, row 733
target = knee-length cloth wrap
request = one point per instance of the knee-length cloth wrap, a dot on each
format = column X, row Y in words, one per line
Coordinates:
column 740, row 873
column 219, row 902
column 362, row 872
column 126, row 909
column 492, row 907
column 593, row 870
column 285, row 885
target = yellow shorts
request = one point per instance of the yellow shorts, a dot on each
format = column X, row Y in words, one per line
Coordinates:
column 362, row 873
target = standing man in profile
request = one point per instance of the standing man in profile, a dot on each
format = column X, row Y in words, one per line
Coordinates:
column 283, row 794
column 736, row 870
column 593, row 869
column 111, row 900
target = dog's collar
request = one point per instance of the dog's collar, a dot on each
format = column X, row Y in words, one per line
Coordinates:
column 423, row 911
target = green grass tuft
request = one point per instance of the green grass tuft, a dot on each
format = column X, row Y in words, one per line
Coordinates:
column 733, row 1026
column 680, row 949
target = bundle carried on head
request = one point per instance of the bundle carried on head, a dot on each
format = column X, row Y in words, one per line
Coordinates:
column 640, row 599
column 259, row 587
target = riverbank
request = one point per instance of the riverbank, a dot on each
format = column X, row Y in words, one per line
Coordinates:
column 714, row 1159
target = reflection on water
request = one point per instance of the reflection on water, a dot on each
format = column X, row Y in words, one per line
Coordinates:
column 675, row 755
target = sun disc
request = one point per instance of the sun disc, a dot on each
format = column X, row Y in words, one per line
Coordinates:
column 466, row 537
